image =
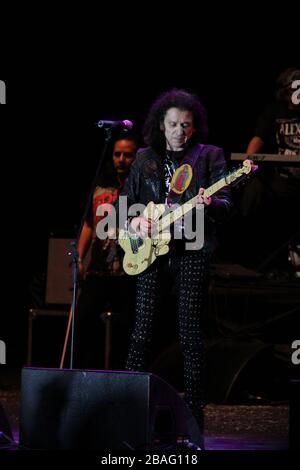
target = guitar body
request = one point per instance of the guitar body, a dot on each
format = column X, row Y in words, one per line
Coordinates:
column 141, row 252
column 136, row 263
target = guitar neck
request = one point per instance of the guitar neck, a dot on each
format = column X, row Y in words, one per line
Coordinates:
column 180, row 211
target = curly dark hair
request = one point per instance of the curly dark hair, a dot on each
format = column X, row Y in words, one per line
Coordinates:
column 174, row 98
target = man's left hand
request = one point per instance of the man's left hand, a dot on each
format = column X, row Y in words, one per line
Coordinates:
column 201, row 199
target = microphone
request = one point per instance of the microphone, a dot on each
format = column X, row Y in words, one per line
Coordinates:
column 126, row 124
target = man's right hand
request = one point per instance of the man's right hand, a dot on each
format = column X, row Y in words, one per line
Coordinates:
column 143, row 226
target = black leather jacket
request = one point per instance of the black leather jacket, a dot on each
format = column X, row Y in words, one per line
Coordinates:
column 146, row 183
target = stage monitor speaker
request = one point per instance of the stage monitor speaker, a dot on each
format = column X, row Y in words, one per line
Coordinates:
column 5, row 429
column 294, row 418
column 59, row 273
column 101, row 410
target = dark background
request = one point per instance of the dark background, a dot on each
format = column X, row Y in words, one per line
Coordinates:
column 51, row 146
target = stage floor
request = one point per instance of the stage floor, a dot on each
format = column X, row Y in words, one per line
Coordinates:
column 227, row 427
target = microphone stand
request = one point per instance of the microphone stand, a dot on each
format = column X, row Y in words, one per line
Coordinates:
column 74, row 244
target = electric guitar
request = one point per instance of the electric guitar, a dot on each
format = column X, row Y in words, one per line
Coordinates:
column 141, row 252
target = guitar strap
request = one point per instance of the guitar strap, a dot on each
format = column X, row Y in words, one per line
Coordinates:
column 190, row 158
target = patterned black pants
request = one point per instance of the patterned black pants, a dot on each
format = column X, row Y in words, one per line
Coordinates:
column 190, row 273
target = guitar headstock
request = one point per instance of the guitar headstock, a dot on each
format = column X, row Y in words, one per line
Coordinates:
column 242, row 172
column 248, row 166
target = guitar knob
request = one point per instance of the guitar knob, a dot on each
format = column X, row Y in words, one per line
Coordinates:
column 132, row 266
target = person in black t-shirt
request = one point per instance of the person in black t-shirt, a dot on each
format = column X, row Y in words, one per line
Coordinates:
column 270, row 201
column 277, row 129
